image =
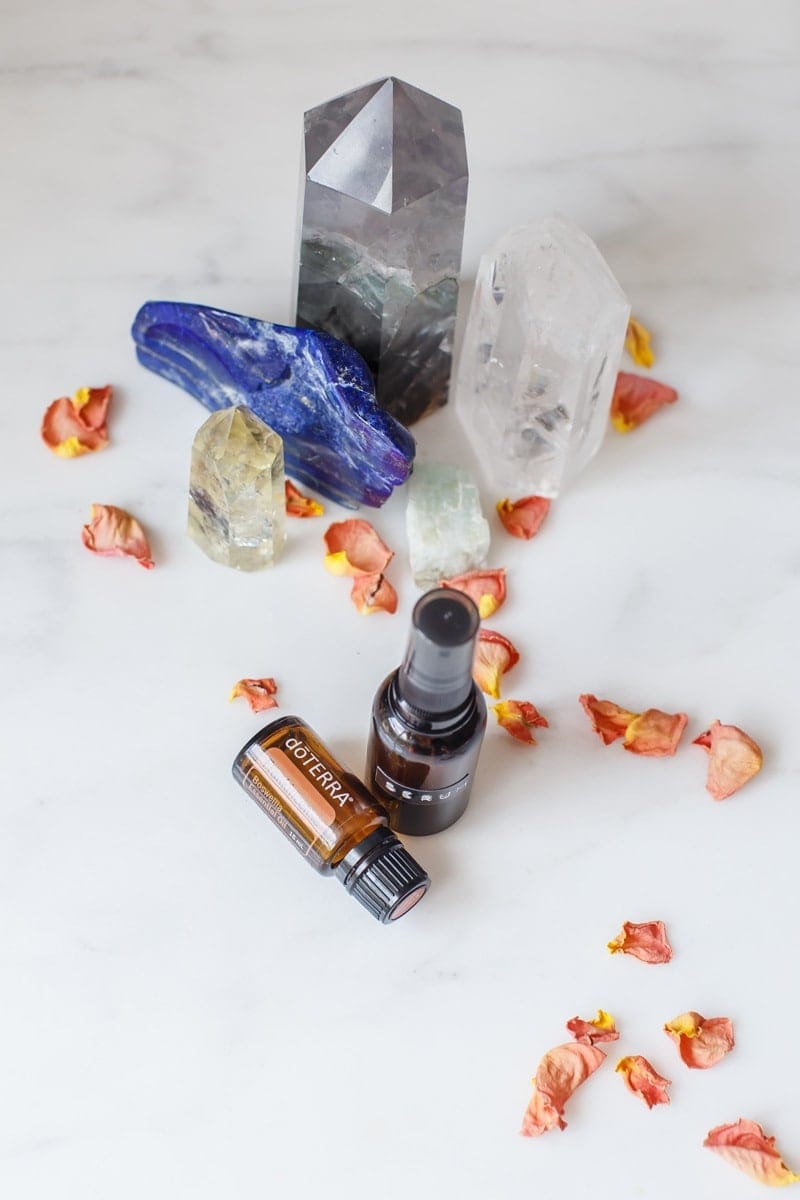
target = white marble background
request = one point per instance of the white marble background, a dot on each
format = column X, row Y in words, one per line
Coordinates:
column 185, row 1010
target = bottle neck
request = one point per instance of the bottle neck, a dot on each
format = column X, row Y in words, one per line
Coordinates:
column 426, row 720
column 442, row 692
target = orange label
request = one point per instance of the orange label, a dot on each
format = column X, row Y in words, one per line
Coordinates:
column 295, row 789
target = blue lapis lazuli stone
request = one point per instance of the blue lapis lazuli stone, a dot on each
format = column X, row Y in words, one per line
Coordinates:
column 312, row 389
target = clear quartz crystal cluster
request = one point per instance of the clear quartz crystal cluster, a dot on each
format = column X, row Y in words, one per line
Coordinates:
column 237, row 503
column 382, row 230
column 447, row 531
column 540, row 356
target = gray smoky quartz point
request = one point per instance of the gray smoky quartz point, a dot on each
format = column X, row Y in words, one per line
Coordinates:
column 381, row 236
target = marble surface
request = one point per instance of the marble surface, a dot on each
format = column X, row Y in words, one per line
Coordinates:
column 186, row 1009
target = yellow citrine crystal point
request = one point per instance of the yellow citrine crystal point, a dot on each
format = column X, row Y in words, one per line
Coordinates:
column 237, row 507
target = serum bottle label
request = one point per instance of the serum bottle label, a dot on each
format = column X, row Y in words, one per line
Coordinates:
column 400, row 791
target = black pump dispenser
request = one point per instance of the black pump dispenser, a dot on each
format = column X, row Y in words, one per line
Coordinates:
column 428, row 719
column 436, row 675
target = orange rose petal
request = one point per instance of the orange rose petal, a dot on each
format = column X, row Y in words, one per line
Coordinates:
column 71, row 427
column 92, row 404
column 655, row 733
column 113, row 531
column 494, row 655
column 652, row 732
column 540, row 1116
column 646, row 941
column 635, row 400
column 259, row 693
column 733, row 759
column 745, row 1145
column 637, row 343
column 601, row 1029
column 523, row 518
column 486, row 588
column 559, row 1074
column 701, row 1043
column 608, row 719
column 518, row 718
column 298, row 505
column 354, row 548
column 643, row 1080
column 373, row 593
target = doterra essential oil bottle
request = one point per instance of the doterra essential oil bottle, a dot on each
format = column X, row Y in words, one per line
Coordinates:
column 329, row 816
column 428, row 719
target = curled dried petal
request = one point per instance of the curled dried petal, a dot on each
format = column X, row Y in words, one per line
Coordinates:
column 601, row 1029
column 113, row 531
column 560, row 1072
column 298, row 505
column 608, row 719
column 733, row 759
column 519, row 717
column 71, row 427
column 259, row 693
column 494, row 655
column 637, row 343
column 523, row 518
column 354, row 548
column 635, row 400
column 373, row 593
column 643, row 1080
column 701, row 1043
column 646, row 941
column 655, row 733
column 745, row 1145
column 486, row 588
column 540, row 1116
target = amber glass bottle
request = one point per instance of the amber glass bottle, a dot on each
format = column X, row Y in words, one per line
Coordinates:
column 329, row 816
column 428, row 719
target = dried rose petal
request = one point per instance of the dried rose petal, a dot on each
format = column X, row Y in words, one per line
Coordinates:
column 559, row 1073
column 540, row 1116
column 71, row 427
column 373, row 593
column 646, row 941
column 601, row 1029
column 259, row 693
column 643, row 1080
column 523, row 518
column 486, row 588
column 635, row 400
column 494, row 655
column 701, row 1043
column 114, row 531
column 653, row 733
column 298, row 505
column 518, row 717
column 745, row 1145
column 608, row 719
column 637, row 343
column 354, row 548
column 733, row 759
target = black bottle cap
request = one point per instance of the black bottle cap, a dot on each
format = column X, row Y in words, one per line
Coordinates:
column 436, row 674
column 383, row 876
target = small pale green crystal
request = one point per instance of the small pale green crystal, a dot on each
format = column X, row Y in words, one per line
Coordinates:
column 447, row 531
column 237, row 502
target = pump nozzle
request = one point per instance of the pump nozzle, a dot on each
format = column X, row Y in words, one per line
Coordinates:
column 436, row 674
